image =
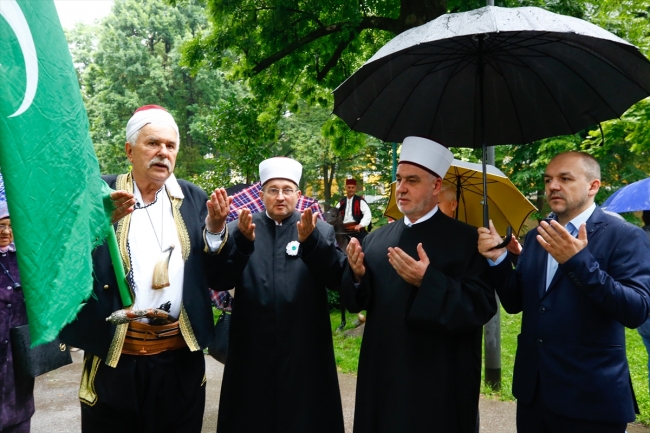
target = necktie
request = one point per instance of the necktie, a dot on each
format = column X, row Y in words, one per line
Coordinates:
column 552, row 264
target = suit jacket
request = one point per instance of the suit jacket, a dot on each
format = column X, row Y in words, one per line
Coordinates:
column 90, row 330
column 572, row 341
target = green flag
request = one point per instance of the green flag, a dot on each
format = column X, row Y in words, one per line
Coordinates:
column 52, row 179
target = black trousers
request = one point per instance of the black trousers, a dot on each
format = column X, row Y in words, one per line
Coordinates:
column 536, row 418
column 148, row 394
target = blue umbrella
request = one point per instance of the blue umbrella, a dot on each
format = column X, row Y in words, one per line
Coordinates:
column 631, row 198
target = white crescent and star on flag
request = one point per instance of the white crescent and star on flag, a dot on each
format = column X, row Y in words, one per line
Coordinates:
column 11, row 12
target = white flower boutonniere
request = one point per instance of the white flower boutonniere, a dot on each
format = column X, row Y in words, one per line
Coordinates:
column 292, row 248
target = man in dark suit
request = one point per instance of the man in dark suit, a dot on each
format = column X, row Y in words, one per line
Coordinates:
column 581, row 278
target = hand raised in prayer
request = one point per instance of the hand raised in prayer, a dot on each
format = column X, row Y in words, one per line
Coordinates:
column 514, row 247
column 245, row 224
column 558, row 242
column 355, row 258
column 218, row 208
column 488, row 239
column 411, row 270
column 123, row 203
column 307, row 224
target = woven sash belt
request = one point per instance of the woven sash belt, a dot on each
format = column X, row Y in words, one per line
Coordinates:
column 144, row 339
column 350, row 227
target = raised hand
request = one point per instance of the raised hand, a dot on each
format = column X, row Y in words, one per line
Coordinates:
column 245, row 224
column 218, row 208
column 514, row 246
column 307, row 224
column 411, row 270
column 558, row 242
column 355, row 259
column 123, row 203
column 488, row 239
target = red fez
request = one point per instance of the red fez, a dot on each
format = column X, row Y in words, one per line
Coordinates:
column 350, row 181
column 150, row 107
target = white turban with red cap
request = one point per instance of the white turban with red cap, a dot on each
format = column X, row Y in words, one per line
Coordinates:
column 150, row 114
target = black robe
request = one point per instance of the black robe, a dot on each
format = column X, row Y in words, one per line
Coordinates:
column 420, row 361
column 281, row 374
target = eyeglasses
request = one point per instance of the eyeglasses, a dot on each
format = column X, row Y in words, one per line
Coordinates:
column 273, row 192
column 4, row 227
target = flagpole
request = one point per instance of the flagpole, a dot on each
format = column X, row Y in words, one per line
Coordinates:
column 125, row 294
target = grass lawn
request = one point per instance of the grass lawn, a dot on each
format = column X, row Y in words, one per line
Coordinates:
column 346, row 350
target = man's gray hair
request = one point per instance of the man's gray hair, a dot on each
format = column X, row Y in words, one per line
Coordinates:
column 133, row 139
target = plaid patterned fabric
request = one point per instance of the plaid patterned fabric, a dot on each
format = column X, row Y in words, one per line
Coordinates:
column 250, row 198
column 221, row 300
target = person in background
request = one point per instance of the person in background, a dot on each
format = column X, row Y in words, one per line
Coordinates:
column 447, row 199
column 17, row 390
column 357, row 217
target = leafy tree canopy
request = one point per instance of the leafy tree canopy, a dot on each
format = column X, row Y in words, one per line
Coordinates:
column 132, row 59
column 303, row 46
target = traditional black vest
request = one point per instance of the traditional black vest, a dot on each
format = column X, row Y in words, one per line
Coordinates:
column 356, row 209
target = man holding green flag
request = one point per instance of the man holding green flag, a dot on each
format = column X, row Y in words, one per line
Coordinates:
column 57, row 198
column 147, row 359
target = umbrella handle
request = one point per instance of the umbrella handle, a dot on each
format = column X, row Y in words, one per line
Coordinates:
column 506, row 240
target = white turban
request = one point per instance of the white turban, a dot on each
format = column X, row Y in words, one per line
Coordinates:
column 280, row 168
column 426, row 154
column 150, row 114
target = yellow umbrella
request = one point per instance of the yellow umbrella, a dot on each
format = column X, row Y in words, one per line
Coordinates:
column 507, row 205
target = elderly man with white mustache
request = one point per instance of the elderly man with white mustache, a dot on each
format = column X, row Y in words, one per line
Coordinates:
column 148, row 375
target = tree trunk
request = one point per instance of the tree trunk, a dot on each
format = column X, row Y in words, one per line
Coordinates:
column 417, row 12
column 328, row 178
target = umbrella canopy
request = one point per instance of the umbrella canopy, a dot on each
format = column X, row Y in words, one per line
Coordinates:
column 631, row 198
column 231, row 190
column 508, row 206
column 495, row 76
column 250, row 198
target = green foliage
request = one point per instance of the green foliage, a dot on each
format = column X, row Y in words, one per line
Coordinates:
column 243, row 135
column 637, row 358
column 333, row 300
column 220, row 177
column 377, row 209
column 322, row 143
column 132, row 59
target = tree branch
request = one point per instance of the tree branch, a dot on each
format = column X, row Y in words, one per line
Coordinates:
column 379, row 23
column 334, row 59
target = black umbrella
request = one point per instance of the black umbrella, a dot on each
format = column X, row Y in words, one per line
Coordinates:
column 494, row 76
